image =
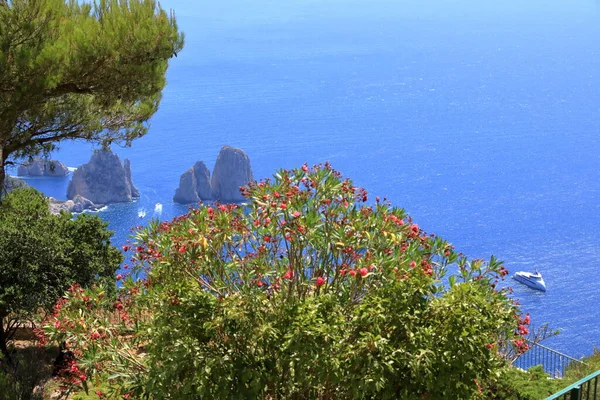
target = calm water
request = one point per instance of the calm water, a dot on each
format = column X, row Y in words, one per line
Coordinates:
column 481, row 120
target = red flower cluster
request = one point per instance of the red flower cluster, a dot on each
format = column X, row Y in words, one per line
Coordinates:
column 289, row 274
column 522, row 331
column 521, row 345
column 70, row 375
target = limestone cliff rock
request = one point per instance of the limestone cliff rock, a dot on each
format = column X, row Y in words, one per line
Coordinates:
column 134, row 191
column 203, row 184
column 187, row 192
column 194, row 185
column 39, row 167
column 77, row 205
column 232, row 170
column 103, row 180
column 11, row 184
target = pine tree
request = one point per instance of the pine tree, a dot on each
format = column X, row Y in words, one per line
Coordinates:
column 73, row 69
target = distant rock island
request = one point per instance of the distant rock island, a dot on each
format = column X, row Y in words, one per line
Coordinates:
column 40, row 167
column 77, row 205
column 103, row 180
column 232, row 170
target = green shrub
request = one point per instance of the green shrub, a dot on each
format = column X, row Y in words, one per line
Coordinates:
column 577, row 371
column 305, row 292
column 42, row 254
column 516, row 384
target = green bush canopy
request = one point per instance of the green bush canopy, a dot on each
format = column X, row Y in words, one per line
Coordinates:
column 305, row 292
column 41, row 255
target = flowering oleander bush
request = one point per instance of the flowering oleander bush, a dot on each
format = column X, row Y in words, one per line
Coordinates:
column 307, row 291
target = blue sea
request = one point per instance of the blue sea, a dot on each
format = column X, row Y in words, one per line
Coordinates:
column 480, row 118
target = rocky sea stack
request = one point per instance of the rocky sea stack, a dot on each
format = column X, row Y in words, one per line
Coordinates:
column 103, row 180
column 39, row 167
column 194, row 185
column 232, row 170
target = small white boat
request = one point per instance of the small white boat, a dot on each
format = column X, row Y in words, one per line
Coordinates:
column 532, row 279
column 141, row 213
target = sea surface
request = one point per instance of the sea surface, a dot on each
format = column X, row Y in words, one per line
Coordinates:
column 481, row 119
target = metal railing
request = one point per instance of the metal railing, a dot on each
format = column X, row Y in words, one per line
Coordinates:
column 587, row 388
column 553, row 362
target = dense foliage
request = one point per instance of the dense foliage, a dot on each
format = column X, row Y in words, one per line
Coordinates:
column 516, row 384
column 304, row 292
column 80, row 70
column 42, row 254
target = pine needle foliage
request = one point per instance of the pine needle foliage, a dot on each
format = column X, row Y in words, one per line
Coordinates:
column 80, row 70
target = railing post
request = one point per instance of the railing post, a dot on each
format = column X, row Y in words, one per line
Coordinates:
column 553, row 362
column 575, row 393
column 576, row 390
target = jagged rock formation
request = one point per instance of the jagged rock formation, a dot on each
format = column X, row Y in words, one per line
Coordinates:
column 134, row 191
column 77, row 205
column 11, row 184
column 103, row 180
column 194, row 185
column 39, row 167
column 187, row 190
column 232, row 170
column 203, row 185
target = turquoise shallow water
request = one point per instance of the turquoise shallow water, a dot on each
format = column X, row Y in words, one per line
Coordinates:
column 480, row 119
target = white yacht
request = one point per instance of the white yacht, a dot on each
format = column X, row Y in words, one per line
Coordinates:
column 532, row 279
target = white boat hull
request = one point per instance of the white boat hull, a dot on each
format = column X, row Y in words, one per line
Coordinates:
column 534, row 281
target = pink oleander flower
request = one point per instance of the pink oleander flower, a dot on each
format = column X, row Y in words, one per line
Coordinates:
column 289, row 274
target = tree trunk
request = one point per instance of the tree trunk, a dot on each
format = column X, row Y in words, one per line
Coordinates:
column 2, row 172
column 3, row 347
